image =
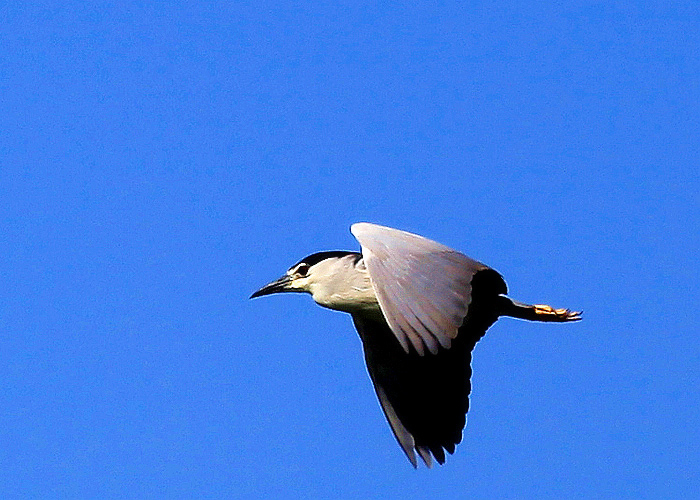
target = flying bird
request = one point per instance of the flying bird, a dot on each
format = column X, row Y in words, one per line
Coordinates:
column 420, row 308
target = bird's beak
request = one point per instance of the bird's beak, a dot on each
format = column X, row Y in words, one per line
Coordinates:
column 277, row 286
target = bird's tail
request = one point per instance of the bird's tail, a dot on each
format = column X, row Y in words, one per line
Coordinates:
column 537, row 312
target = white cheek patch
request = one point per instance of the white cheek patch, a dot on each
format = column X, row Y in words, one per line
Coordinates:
column 299, row 284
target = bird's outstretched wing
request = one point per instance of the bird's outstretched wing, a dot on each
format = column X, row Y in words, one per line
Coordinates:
column 426, row 398
column 423, row 288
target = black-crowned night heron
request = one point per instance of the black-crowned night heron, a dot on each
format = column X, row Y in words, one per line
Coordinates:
column 420, row 308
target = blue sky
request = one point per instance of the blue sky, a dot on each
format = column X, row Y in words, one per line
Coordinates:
column 160, row 162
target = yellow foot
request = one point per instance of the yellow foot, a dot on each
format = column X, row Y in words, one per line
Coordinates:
column 557, row 314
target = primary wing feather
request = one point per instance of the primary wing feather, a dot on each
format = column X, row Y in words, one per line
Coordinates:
column 425, row 398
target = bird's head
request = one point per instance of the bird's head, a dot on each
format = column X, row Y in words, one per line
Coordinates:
column 303, row 275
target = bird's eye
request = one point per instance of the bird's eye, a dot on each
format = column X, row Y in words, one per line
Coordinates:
column 302, row 269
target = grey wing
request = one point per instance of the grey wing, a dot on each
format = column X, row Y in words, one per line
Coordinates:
column 426, row 398
column 423, row 288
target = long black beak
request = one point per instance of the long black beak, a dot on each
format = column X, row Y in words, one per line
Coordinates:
column 280, row 285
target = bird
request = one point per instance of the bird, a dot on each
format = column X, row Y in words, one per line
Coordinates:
column 419, row 307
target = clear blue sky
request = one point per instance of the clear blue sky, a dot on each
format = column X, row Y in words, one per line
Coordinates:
column 159, row 162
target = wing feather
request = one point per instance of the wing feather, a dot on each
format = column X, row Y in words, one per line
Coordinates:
column 425, row 398
column 423, row 287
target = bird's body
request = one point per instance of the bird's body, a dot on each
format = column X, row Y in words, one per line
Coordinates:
column 419, row 308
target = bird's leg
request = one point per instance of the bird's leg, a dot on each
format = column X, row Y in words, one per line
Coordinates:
column 555, row 314
column 537, row 312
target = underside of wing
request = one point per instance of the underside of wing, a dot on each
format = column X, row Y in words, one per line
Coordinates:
column 425, row 398
column 423, row 288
